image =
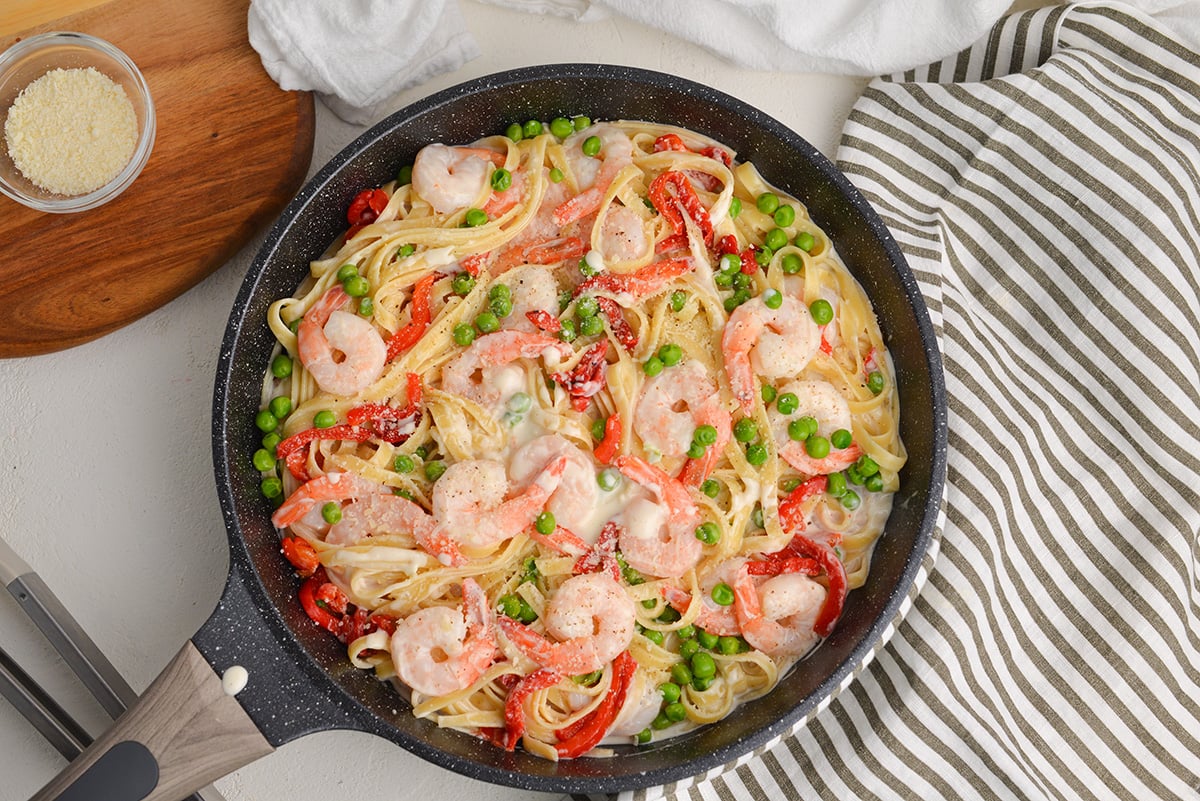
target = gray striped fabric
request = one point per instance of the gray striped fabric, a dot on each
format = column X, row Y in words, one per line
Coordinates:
column 1045, row 186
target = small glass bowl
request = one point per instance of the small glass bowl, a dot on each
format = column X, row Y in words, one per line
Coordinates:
column 30, row 59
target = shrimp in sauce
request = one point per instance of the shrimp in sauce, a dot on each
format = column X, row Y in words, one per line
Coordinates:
column 452, row 178
column 342, row 351
column 439, row 650
column 773, row 343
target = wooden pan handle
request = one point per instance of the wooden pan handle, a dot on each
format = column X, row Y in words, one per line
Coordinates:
column 184, row 732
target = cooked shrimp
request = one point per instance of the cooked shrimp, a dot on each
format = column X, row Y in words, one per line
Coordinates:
column 777, row 616
column 342, row 351
column 658, row 538
column 439, row 650
column 469, row 501
column 591, row 619
column 452, row 178
column 773, row 343
column 643, row 701
column 821, row 401
column 320, row 490
column 623, row 235
column 573, row 499
column 393, row 514
column 713, row 617
column 485, row 354
column 533, row 289
column 674, row 404
column 593, row 174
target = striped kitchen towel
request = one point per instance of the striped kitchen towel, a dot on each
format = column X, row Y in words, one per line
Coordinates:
column 1045, row 187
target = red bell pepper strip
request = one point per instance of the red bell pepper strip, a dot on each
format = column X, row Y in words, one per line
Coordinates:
column 670, row 141
column 831, row 610
column 419, row 318
column 640, row 283
column 316, row 612
column 791, row 513
column 474, row 263
column 365, row 209
column 587, row 377
column 585, row 736
column 544, row 321
column 616, row 322
column 602, row 557
column 668, row 203
column 301, row 555
column 607, row 448
column 392, row 424
column 514, row 709
column 772, row 566
column 291, row 449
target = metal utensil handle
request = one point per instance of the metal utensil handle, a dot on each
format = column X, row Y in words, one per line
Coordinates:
column 36, row 706
column 184, row 732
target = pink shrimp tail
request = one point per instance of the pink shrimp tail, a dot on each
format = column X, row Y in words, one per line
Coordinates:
column 570, row 657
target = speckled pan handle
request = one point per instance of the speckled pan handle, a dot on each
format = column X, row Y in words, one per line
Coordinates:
column 183, row 733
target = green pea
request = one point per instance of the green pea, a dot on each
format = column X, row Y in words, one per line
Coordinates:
column 696, row 451
column 271, row 487
column 404, row 251
column 281, row 366
column 816, row 447
column 700, row 684
column 769, row 393
column 514, row 132
column 707, row 640
column 266, row 421
column 762, row 256
column 875, row 382
column 346, row 272
column 591, row 146
column 501, row 307
column 422, row 451
column 332, row 512
column 730, row 303
column 867, row 466
column 821, row 311
column 851, row 500
column 591, row 326
column 671, row 354
column 703, row 665
column 501, row 179
column 545, row 524
column 678, row 300
column 711, row 487
column 324, row 418
column 588, row 679
column 775, row 238
column 475, row 218
column 784, row 216
column 598, row 428
column 735, row 208
column 853, row 475
column 756, row 455
column 669, row 615
column 366, row 307
column 294, row 325
column 556, row 175
column 740, row 280
column 462, row 284
column 403, row 463
column 280, row 406
column 675, row 712
column 730, row 263
column 686, row 633
column 767, row 202
column 561, row 127
column 510, row 605
column 772, row 298
column 670, row 691
column 644, row 736
column 567, row 332
column 587, row 306
column 756, row 517
column 487, row 322
column 531, row 129
column 404, row 175
column 722, row 594
column 681, row 674
column 835, row 485
column 728, row 645
column 841, row 438
column 723, row 280
column 499, row 291
column 798, row 430
column 608, row 479
column 652, row 366
column 791, row 263
column 581, row 122
column 805, row 241
column 519, row 402
column 587, row 269
column 263, row 460
column 464, row 334
column 526, row 615
column 704, row 434
column 708, row 532
column 434, row 470
column 649, row 603
column 271, row 440
column 660, row 722
column 687, row 649
column 789, row 484
column 745, row 430
column 356, row 286
column 787, row 403
column 874, row 483
column 654, row 636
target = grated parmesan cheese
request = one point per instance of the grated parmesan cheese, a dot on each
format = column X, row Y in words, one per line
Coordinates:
column 71, row 131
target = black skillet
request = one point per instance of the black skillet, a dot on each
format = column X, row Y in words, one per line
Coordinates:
column 187, row 730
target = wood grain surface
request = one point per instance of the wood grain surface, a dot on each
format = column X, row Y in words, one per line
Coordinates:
column 195, row 731
column 231, row 151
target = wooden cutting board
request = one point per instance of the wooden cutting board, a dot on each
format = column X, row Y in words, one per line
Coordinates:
column 231, row 151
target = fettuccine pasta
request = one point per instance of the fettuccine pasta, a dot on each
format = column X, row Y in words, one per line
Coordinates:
column 579, row 435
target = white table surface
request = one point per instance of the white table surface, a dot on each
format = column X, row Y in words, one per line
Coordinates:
column 106, row 485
